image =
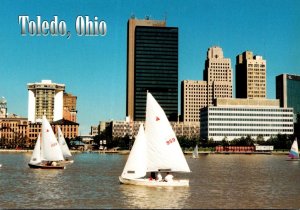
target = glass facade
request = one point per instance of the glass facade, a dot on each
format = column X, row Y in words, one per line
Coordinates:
column 156, row 69
column 287, row 91
column 293, row 94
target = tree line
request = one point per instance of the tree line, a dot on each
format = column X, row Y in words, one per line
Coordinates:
column 279, row 141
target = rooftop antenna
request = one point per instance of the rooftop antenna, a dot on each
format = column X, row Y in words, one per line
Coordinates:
column 166, row 16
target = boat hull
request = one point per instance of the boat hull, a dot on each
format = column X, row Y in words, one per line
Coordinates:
column 67, row 161
column 39, row 166
column 293, row 159
column 154, row 183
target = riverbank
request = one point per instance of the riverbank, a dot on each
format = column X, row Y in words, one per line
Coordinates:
column 277, row 152
column 126, row 152
column 122, row 152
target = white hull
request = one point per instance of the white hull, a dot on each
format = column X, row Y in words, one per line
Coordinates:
column 154, row 183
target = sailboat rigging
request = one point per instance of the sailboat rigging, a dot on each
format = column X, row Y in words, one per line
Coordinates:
column 156, row 149
column 47, row 153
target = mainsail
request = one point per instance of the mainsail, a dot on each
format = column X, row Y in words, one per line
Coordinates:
column 50, row 147
column 163, row 149
column 294, row 153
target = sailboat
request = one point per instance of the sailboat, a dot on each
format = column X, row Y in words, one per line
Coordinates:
column 195, row 152
column 156, row 149
column 64, row 147
column 47, row 153
column 294, row 151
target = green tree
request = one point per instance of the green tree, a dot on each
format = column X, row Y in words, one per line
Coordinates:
column 224, row 141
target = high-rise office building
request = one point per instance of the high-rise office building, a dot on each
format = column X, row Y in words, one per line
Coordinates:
column 45, row 98
column 152, row 64
column 287, row 91
column 217, row 83
column 250, row 76
column 69, row 103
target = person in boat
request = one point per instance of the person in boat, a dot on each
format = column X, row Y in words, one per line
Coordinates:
column 168, row 177
column 159, row 177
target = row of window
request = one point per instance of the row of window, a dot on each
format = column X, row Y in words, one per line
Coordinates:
column 251, row 119
column 250, row 109
column 237, row 134
column 256, row 65
column 252, row 115
column 250, row 125
column 251, row 130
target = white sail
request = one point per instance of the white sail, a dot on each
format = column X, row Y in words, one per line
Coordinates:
column 294, row 151
column 135, row 166
column 62, row 142
column 163, row 149
column 195, row 152
column 36, row 154
column 50, row 146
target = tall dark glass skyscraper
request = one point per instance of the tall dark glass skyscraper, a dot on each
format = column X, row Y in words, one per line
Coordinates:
column 155, row 69
column 287, row 91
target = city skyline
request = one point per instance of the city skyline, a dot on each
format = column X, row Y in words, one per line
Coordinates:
column 94, row 68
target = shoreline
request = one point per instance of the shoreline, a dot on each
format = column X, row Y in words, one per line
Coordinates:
column 126, row 152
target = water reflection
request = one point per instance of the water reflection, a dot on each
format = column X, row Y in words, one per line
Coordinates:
column 154, row 197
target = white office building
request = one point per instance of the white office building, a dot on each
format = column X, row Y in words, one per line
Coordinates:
column 235, row 118
column 46, row 98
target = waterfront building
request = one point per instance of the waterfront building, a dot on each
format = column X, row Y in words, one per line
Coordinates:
column 186, row 129
column 234, row 118
column 152, row 64
column 287, row 91
column 94, row 130
column 69, row 107
column 217, row 83
column 121, row 129
column 250, row 76
column 14, row 130
column 3, row 107
column 45, row 98
column 70, row 129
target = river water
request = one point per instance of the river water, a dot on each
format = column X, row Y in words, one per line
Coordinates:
column 216, row 181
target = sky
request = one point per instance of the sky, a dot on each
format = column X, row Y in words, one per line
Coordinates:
column 94, row 67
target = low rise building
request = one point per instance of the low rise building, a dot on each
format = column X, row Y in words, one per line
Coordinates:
column 235, row 118
column 14, row 131
column 69, row 129
column 120, row 129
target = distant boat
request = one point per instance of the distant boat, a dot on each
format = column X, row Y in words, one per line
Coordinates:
column 156, row 149
column 294, row 151
column 64, row 147
column 47, row 153
column 195, row 152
